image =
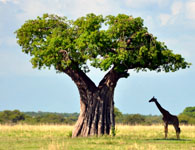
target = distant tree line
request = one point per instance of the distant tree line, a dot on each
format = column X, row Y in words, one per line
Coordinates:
column 15, row 116
column 11, row 117
column 134, row 119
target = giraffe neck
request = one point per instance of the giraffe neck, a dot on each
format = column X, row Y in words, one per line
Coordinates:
column 162, row 110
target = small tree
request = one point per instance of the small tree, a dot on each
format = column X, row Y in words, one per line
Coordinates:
column 189, row 111
column 187, row 116
column 113, row 43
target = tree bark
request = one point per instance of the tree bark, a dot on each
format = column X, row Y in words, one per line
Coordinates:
column 96, row 103
column 95, row 116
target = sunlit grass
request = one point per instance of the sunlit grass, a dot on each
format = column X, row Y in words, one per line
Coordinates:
column 57, row 137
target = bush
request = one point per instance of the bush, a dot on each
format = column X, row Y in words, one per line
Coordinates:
column 118, row 115
column 8, row 116
column 134, row 119
column 187, row 116
column 189, row 111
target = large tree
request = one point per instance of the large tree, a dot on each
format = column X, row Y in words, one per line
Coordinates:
column 115, row 44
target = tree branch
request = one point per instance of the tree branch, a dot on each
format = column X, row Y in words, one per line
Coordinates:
column 112, row 77
column 80, row 78
column 82, row 81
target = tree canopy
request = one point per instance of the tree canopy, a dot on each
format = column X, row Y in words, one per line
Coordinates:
column 120, row 42
column 190, row 111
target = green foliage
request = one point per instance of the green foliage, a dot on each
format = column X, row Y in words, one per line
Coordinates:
column 113, row 131
column 134, row 119
column 189, row 111
column 16, row 116
column 118, row 115
column 149, row 119
column 51, row 118
column 8, row 116
column 187, row 116
column 125, row 44
column 69, row 134
column 42, row 114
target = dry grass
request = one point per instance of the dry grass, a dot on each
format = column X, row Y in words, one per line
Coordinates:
column 43, row 127
column 57, row 137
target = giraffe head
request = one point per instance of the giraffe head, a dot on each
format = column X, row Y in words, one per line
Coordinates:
column 153, row 99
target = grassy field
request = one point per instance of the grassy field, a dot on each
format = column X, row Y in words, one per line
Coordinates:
column 57, row 137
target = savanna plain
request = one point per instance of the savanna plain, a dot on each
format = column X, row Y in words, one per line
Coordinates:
column 58, row 137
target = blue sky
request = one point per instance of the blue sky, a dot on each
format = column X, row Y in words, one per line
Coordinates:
column 27, row 89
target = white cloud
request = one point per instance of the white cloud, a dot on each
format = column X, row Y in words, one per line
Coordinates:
column 146, row 3
column 139, row 3
column 6, row 1
column 183, row 12
column 32, row 9
column 162, row 3
column 3, row 1
column 176, row 8
column 170, row 18
column 164, row 18
column 104, row 7
column 190, row 10
column 70, row 8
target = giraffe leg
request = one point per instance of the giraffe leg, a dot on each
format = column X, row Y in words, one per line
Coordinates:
column 166, row 129
column 177, row 129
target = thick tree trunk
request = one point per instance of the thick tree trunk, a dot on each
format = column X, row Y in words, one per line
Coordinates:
column 96, row 116
column 96, row 103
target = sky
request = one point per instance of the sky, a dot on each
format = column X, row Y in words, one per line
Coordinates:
column 27, row 89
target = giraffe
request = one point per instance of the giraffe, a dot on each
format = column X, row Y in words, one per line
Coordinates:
column 167, row 118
